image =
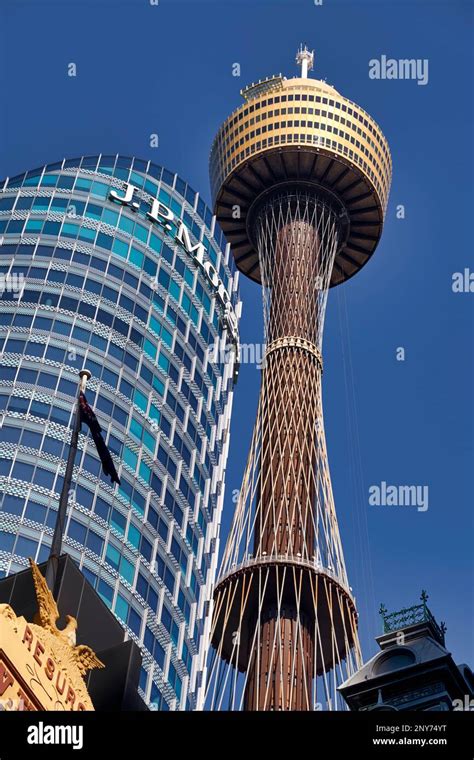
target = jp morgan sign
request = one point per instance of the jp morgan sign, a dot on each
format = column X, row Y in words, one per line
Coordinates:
column 160, row 214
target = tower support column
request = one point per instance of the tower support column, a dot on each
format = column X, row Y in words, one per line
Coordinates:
column 281, row 663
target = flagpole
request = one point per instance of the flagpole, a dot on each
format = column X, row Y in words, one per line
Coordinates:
column 55, row 552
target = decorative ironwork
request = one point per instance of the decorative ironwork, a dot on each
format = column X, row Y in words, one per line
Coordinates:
column 418, row 613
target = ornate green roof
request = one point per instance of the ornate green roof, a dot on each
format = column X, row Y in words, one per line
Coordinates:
column 419, row 613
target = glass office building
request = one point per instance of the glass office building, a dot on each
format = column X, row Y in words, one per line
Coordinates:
column 124, row 289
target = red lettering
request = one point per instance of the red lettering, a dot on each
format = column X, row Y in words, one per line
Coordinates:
column 6, row 679
column 61, row 688
column 70, row 696
column 28, row 637
column 39, row 649
column 49, row 668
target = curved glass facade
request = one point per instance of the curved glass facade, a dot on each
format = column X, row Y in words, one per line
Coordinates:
column 86, row 280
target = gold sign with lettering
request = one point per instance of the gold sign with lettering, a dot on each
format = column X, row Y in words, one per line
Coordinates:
column 41, row 668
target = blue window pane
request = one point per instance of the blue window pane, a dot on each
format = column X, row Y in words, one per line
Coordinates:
column 134, row 621
column 25, row 547
column 106, row 592
column 44, row 478
column 6, row 541
column 95, row 543
column 13, row 504
column 77, row 531
column 35, row 512
column 23, row 471
column 121, row 608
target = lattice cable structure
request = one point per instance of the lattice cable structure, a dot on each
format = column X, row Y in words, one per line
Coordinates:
column 284, row 626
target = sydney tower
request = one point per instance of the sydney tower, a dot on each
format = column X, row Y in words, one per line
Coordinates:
column 300, row 179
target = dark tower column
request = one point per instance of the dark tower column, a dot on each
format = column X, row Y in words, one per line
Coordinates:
column 290, row 255
column 289, row 412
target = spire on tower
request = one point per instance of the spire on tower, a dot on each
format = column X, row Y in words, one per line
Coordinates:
column 305, row 59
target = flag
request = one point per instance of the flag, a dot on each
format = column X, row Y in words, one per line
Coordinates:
column 88, row 416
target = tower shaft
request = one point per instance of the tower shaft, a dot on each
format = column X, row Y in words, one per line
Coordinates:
column 288, row 455
column 289, row 412
column 282, row 681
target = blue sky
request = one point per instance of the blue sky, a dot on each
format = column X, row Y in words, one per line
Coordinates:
column 167, row 69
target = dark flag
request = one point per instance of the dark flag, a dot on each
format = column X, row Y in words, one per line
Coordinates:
column 88, row 416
